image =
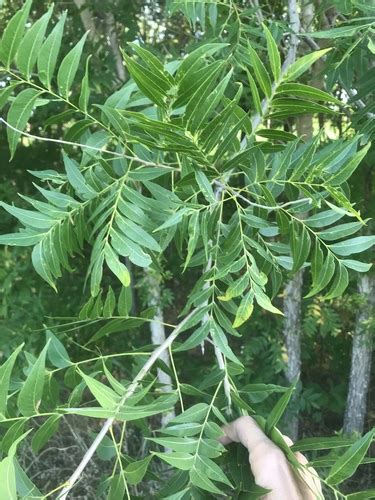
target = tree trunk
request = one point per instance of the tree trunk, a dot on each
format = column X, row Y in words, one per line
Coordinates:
column 158, row 336
column 86, row 18
column 360, row 370
column 110, row 23
column 293, row 289
column 292, row 338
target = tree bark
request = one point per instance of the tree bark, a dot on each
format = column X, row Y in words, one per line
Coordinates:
column 360, row 370
column 88, row 22
column 110, row 23
column 292, row 339
column 86, row 18
column 158, row 336
column 293, row 289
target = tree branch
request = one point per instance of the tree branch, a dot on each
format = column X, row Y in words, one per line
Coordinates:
column 109, row 422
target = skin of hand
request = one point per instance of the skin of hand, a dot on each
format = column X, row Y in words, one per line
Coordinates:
column 270, row 466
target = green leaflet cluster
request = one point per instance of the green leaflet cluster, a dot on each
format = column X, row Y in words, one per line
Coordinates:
column 30, row 405
column 164, row 157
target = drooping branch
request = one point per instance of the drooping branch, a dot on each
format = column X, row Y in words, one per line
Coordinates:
column 130, row 391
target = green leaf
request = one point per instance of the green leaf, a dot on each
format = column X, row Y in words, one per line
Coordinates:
column 195, row 413
column 31, row 43
column 179, row 460
column 360, row 267
column 8, row 487
column 135, row 471
column 76, row 179
column 202, row 51
column 279, row 408
column 340, row 283
column 187, row 444
column 5, row 374
column 109, row 304
column 204, row 102
column 324, row 274
column 200, row 480
column 19, row 114
column 49, row 52
column 236, row 288
column 45, row 432
column 306, row 91
column 128, row 413
column 36, row 220
column 125, row 301
column 69, row 67
column 152, row 85
column 340, row 231
column 273, row 53
column 40, row 264
column 361, row 495
column 303, row 64
column 137, row 234
column 300, row 245
column 117, row 487
column 205, row 186
column 194, row 233
column 118, row 268
column 342, row 31
column 12, row 434
column 260, row 71
column 245, row 309
column 105, row 396
column 348, row 463
column 264, row 301
column 325, row 218
column 85, row 89
column 220, row 340
column 254, row 93
column 347, row 170
column 130, row 249
column 195, row 338
column 210, row 469
column 13, row 34
column 5, row 93
column 57, row 354
column 20, row 239
column 116, row 118
column 353, row 245
column 30, row 395
column 25, row 487
column 322, row 443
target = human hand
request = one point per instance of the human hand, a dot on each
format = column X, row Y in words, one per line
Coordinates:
column 270, row 466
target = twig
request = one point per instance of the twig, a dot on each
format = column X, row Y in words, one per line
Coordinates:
column 109, row 422
column 69, row 143
column 266, row 207
column 219, row 356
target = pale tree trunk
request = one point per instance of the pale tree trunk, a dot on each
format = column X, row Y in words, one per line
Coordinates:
column 293, row 289
column 292, row 339
column 88, row 22
column 360, row 370
column 158, row 335
column 110, row 23
column 86, row 18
